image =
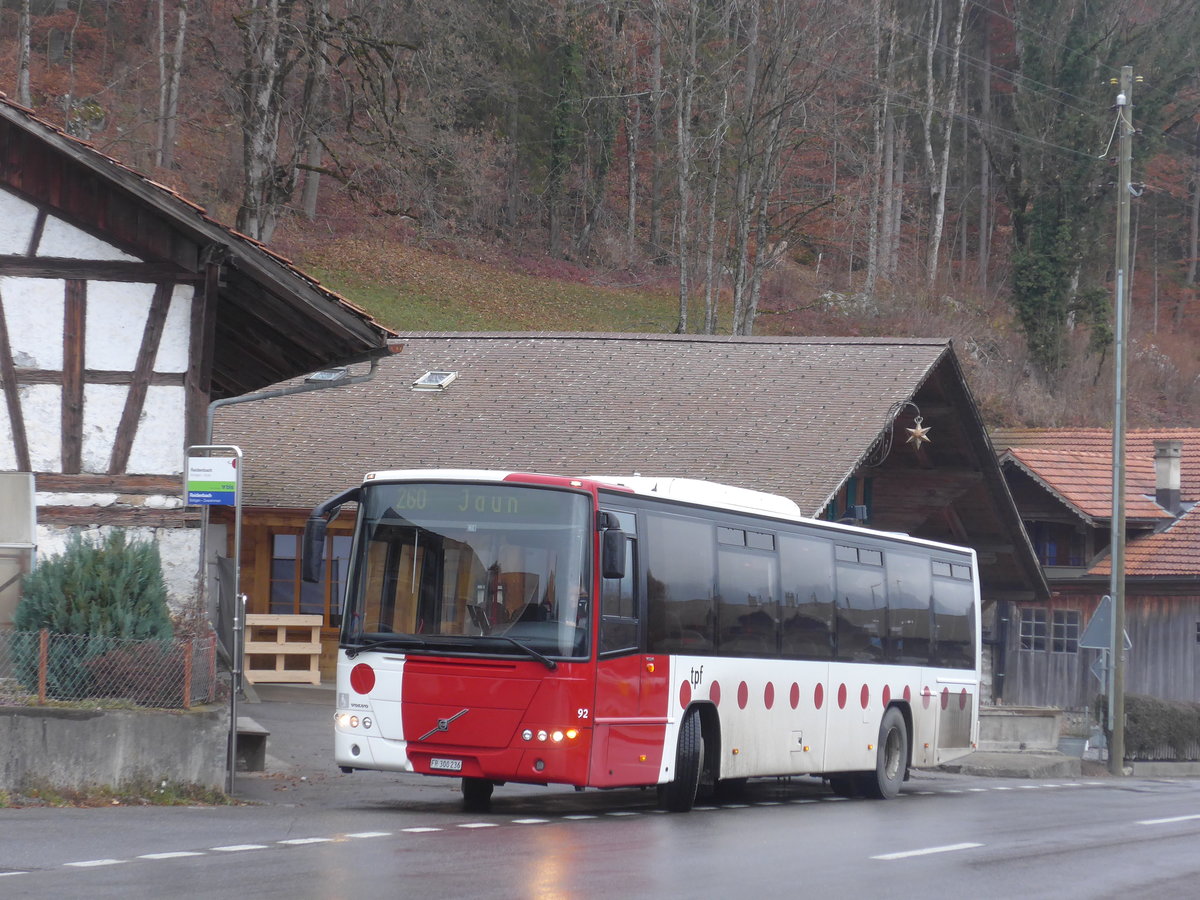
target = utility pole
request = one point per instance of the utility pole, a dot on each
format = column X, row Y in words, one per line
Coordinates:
column 1116, row 671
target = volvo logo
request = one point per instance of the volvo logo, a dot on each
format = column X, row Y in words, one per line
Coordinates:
column 442, row 725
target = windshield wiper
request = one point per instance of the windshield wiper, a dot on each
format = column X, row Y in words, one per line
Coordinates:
column 540, row 657
column 398, row 640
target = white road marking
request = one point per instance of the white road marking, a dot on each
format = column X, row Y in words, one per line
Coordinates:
column 478, row 825
column 530, row 821
column 578, row 817
column 424, row 829
column 295, row 842
column 175, row 854
column 905, row 854
column 239, row 848
column 1169, row 821
column 622, row 812
column 369, row 834
column 89, row 863
column 3, row 874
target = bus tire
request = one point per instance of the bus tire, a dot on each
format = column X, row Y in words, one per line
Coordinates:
column 679, row 794
column 891, row 758
column 477, row 794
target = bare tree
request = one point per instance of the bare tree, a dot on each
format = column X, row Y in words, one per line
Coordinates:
column 24, row 27
column 170, row 68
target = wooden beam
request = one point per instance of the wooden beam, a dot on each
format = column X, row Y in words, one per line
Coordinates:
column 120, row 484
column 135, row 400
column 12, row 399
column 74, row 321
column 93, row 269
column 133, row 517
column 96, row 376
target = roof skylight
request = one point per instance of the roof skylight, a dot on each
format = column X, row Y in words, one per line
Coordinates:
column 434, row 381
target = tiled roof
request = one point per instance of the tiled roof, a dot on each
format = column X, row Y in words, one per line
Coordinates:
column 788, row 415
column 1084, row 481
column 1076, row 465
column 1173, row 552
column 1139, row 446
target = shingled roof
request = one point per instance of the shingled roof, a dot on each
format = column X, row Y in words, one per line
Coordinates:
column 271, row 321
column 788, row 415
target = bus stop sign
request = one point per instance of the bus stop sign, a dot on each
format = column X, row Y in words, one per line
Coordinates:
column 1098, row 633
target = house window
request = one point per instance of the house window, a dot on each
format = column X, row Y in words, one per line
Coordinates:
column 1033, row 629
column 1064, row 633
column 292, row 596
column 1056, row 543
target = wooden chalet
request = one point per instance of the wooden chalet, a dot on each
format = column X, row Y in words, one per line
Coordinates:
column 124, row 311
column 826, row 421
column 1062, row 481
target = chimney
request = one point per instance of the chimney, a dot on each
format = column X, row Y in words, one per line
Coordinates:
column 1166, row 474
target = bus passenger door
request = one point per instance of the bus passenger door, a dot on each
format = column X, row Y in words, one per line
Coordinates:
column 629, row 726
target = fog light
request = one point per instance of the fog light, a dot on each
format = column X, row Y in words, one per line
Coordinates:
column 542, row 735
column 354, row 750
column 557, row 737
column 366, row 721
column 527, row 735
column 539, row 765
column 354, row 721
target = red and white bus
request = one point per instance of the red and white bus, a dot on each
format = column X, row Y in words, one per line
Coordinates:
column 635, row 631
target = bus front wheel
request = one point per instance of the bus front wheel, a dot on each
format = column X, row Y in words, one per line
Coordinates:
column 891, row 758
column 679, row 795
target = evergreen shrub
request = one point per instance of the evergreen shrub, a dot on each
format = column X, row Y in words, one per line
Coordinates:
column 102, row 592
column 1158, row 729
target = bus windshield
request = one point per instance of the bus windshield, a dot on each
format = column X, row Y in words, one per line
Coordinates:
column 487, row 568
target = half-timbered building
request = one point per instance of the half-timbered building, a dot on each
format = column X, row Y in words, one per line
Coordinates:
column 125, row 310
column 1062, row 481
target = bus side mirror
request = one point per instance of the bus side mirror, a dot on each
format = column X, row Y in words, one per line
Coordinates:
column 612, row 553
column 312, row 562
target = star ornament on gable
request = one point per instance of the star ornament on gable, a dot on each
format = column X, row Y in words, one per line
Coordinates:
column 918, row 434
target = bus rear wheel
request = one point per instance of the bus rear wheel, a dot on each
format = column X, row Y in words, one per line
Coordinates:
column 891, row 758
column 679, row 795
column 477, row 794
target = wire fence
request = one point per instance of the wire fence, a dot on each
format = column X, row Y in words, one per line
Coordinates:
column 37, row 667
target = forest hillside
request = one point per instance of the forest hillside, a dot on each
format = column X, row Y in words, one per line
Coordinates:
column 923, row 167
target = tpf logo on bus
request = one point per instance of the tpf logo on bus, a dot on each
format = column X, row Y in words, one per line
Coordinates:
column 696, row 676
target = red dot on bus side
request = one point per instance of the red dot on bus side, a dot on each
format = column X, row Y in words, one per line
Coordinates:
column 945, row 697
column 714, row 693
column 818, row 696
column 907, row 694
column 962, row 699
column 743, row 695
column 794, row 696
column 841, row 696
column 887, row 694
column 769, row 695
column 925, row 698
column 864, row 696
column 685, row 694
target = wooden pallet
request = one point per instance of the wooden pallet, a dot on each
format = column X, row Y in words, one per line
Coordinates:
column 284, row 641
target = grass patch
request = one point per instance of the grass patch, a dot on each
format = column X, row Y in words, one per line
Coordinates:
column 410, row 289
column 146, row 793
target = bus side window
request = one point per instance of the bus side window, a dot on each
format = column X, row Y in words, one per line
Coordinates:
column 861, row 605
column 680, row 568
column 954, row 620
column 806, row 574
column 619, row 606
column 910, row 617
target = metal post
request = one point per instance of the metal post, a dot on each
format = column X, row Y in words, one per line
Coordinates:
column 1116, row 693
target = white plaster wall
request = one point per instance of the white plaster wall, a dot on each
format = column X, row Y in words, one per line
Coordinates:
column 46, row 498
column 17, row 218
column 102, row 408
column 41, row 408
column 158, row 446
column 176, row 338
column 63, row 240
column 179, row 549
column 8, row 452
column 116, row 318
column 33, row 313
